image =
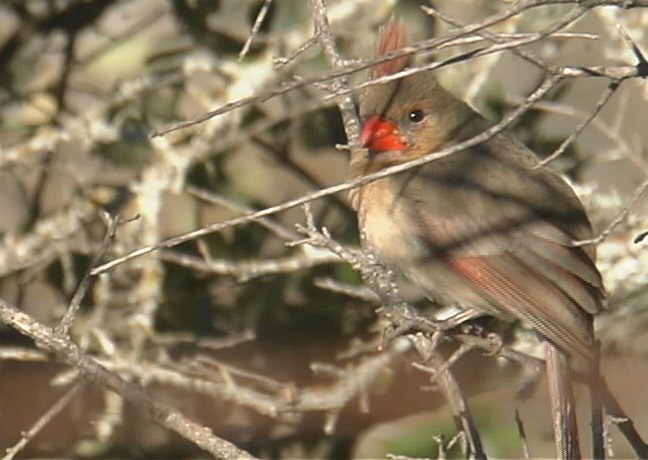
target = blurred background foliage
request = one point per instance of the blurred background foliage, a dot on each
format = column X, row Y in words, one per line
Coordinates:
column 82, row 85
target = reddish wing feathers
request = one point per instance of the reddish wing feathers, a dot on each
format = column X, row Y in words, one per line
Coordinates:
column 530, row 278
column 392, row 36
column 528, row 272
column 519, row 291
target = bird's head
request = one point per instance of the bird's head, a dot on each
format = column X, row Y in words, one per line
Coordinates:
column 409, row 117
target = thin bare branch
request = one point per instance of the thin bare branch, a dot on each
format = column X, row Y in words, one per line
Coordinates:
column 344, row 101
column 603, row 100
column 75, row 303
column 621, row 215
column 520, row 427
column 43, row 420
column 255, row 28
column 453, row 394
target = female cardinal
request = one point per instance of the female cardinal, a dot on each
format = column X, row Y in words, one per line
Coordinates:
column 484, row 229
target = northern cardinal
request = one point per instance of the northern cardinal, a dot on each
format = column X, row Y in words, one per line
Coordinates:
column 484, row 229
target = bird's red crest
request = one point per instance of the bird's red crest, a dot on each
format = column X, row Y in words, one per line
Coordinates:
column 392, row 36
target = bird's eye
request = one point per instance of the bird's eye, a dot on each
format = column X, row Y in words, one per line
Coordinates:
column 416, row 116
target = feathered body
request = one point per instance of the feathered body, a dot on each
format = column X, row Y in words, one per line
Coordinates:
column 484, row 228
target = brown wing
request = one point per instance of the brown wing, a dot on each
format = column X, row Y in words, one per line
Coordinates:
column 525, row 271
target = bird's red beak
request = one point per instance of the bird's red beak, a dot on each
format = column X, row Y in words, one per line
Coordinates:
column 380, row 135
